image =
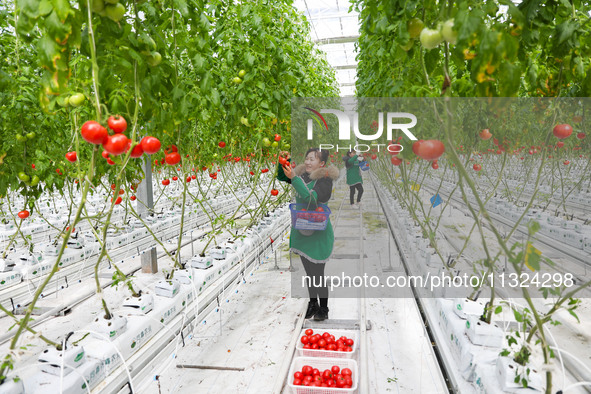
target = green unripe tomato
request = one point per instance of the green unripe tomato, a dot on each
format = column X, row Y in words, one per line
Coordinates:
column 241, row 73
column 154, row 59
column 31, row 135
column 414, row 27
column 76, row 99
column 97, row 5
column 266, row 142
column 63, row 101
column 35, row 180
column 430, row 38
column 409, row 45
column 111, row 1
column 275, row 144
column 23, row 177
column 237, row 80
column 448, row 33
column 115, row 12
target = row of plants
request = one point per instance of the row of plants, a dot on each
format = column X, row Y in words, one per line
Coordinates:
column 92, row 92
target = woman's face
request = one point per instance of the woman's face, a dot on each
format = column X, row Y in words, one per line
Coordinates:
column 312, row 162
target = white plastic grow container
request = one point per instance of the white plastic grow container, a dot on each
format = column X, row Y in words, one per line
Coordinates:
column 6, row 265
column 464, row 307
column 184, row 276
column 104, row 329
column 12, row 385
column 140, row 305
column 167, row 288
column 322, row 364
column 51, row 359
column 506, row 370
column 201, row 262
column 483, row 334
column 353, row 334
column 219, row 252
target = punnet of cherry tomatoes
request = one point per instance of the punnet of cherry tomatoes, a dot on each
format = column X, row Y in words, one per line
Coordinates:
column 333, row 377
column 326, row 341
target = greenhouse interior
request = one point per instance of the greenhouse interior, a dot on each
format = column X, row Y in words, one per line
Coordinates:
column 295, row 196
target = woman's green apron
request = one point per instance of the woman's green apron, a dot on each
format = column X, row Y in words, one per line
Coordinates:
column 316, row 247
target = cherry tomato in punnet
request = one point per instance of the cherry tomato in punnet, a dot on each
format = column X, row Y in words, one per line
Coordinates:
column 304, row 339
column 309, row 332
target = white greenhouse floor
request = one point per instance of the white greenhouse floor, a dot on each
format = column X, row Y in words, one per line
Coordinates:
column 253, row 330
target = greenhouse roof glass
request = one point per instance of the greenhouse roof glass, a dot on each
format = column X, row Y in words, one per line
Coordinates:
column 335, row 32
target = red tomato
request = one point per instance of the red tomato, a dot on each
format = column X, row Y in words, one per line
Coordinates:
column 346, row 372
column 349, row 342
column 172, row 158
column 150, row 145
column 137, row 151
column 304, row 339
column 132, row 198
column 170, row 149
column 314, row 338
column 431, row 149
column 222, row 144
column 274, row 192
column 395, row 160
column 309, row 331
column 23, row 214
column 581, row 136
column 121, row 191
column 485, row 134
column 307, row 370
column 562, row 131
column 264, row 170
column 315, row 372
column 166, row 182
column 282, row 160
column 566, row 162
column 188, row 179
column 117, row 123
column 322, row 343
column 374, row 156
column 115, row 144
column 434, row 166
column 105, row 154
column 277, row 137
column 94, row 133
column 110, row 162
column 560, row 144
column 335, row 369
column 298, row 375
column 117, row 201
column 71, row 156
column 175, row 178
column 415, row 146
column 297, row 382
column 193, row 176
column 477, row 167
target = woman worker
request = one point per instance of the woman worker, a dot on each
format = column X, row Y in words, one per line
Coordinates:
column 354, row 179
column 312, row 182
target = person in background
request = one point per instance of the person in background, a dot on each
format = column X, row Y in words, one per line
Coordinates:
column 354, row 179
column 312, row 182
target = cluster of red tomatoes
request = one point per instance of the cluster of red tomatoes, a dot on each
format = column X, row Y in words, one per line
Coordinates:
column 333, row 377
column 312, row 216
column 117, row 143
column 326, row 341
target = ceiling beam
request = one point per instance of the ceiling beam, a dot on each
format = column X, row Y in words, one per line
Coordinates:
column 346, row 67
column 336, row 40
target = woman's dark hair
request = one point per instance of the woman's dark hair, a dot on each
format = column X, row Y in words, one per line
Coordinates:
column 322, row 155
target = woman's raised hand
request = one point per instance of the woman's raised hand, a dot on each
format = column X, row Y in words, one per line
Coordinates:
column 288, row 171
